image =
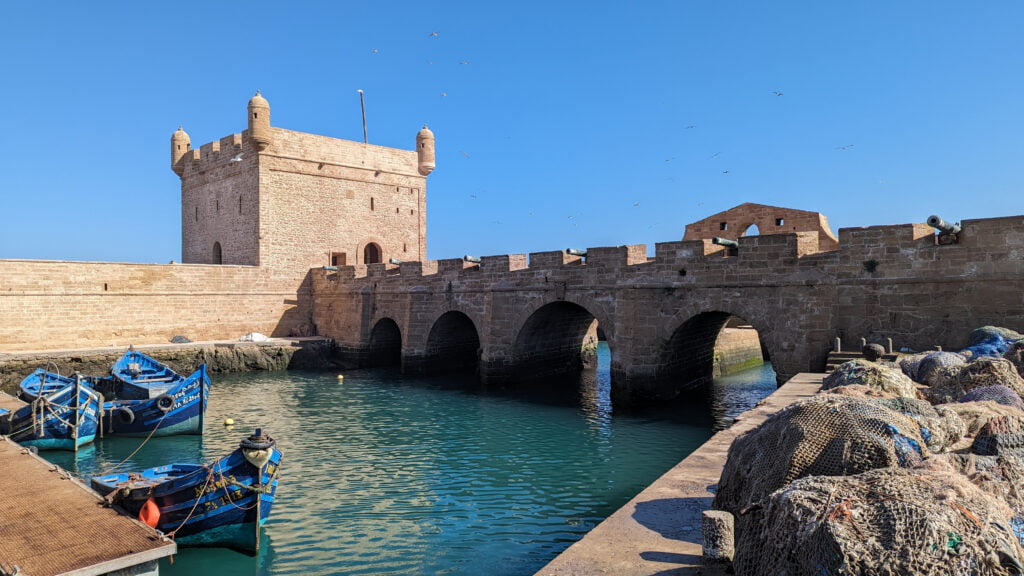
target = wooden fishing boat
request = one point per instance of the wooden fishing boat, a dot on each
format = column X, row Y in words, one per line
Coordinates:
column 135, row 376
column 222, row 504
column 180, row 409
column 61, row 417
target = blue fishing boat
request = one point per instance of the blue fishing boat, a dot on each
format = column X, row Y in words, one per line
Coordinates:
column 136, row 376
column 61, row 417
column 222, row 504
column 48, row 382
column 179, row 409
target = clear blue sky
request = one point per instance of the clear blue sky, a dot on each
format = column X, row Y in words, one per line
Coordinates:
column 558, row 124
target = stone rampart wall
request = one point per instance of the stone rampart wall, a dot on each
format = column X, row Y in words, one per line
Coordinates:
column 49, row 305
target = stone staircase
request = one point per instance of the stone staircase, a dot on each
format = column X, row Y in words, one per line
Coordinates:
column 837, row 358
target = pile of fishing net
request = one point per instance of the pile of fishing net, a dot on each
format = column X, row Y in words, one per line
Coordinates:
column 990, row 341
column 951, row 383
column 885, row 379
column 828, row 435
column 886, row 521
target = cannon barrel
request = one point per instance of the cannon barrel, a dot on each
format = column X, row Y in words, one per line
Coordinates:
column 474, row 259
column 725, row 242
column 394, row 261
column 575, row 252
column 935, row 221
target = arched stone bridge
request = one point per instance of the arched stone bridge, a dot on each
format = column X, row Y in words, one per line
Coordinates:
column 514, row 316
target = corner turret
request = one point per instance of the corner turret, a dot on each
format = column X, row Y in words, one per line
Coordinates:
column 180, row 145
column 425, row 150
column 259, row 121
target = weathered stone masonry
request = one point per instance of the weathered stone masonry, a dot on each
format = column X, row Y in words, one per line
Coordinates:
column 661, row 315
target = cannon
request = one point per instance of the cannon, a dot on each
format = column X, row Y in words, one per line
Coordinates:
column 474, row 259
column 576, row 252
column 725, row 242
column 948, row 233
column 935, row 221
column 395, row 261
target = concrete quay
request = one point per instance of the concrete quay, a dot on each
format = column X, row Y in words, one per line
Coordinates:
column 659, row 531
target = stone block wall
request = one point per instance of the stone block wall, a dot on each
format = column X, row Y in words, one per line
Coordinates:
column 52, row 304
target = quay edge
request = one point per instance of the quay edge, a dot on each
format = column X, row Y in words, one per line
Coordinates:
column 659, row 530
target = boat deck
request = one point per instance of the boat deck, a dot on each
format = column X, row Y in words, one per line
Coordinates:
column 53, row 524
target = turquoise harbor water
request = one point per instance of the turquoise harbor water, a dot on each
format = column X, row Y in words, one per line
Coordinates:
column 388, row 474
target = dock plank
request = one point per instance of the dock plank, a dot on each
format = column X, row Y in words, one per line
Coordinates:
column 8, row 402
column 53, row 524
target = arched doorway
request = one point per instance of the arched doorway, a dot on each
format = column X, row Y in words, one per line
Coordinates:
column 217, row 259
column 385, row 345
column 372, row 254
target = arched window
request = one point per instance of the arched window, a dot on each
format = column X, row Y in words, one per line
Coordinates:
column 216, row 253
column 372, row 254
column 752, row 230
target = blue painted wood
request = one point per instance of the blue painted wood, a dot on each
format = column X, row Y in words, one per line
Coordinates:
column 64, row 416
column 222, row 504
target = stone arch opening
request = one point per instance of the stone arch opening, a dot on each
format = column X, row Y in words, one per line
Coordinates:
column 557, row 339
column 217, row 253
column 453, row 345
column 372, row 254
column 707, row 346
column 385, row 345
column 751, row 230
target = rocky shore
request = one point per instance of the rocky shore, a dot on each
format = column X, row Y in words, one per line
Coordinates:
column 223, row 356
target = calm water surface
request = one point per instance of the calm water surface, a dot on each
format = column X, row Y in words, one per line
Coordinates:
column 389, row 474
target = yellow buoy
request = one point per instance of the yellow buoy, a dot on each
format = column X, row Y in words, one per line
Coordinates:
column 341, row 376
column 229, row 422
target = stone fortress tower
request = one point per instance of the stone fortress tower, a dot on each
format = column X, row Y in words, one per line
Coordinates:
column 290, row 201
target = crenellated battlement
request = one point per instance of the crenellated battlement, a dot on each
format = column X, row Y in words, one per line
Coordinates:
column 889, row 251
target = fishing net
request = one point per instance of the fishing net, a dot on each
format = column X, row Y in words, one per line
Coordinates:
column 931, row 366
column 990, row 341
column 1015, row 354
column 950, row 383
column 909, row 364
column 827, row 435
column 999, row 393
column 858, row 390
column 940, row 426
column 1001, row 436
column 886, row 521
column 873, row 374
column 975, row 414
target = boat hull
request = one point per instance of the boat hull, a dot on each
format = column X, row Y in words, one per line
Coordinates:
column 179, row 410
column 63, row 420
column 223, row 504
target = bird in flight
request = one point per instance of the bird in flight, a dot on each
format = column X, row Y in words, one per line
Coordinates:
column 690, row 126
column 472, row 195
column 725, row 171
column 432, row 34
column 443, row 94
column 636, row 204
column 237, row 157
column 777, row 93
column 374, row 51
column 670, row 159
column 464, row 62
column 715, row 155
column 463, row 153
column 847, row 147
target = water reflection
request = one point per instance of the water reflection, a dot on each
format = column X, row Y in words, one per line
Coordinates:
column 390, row 474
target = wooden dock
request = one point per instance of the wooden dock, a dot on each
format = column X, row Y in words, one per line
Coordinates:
column 50, row 524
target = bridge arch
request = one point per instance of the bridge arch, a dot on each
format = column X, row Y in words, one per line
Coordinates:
column 452, row 344
column 384, row 345
column 687, row 359
column 554, row 339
